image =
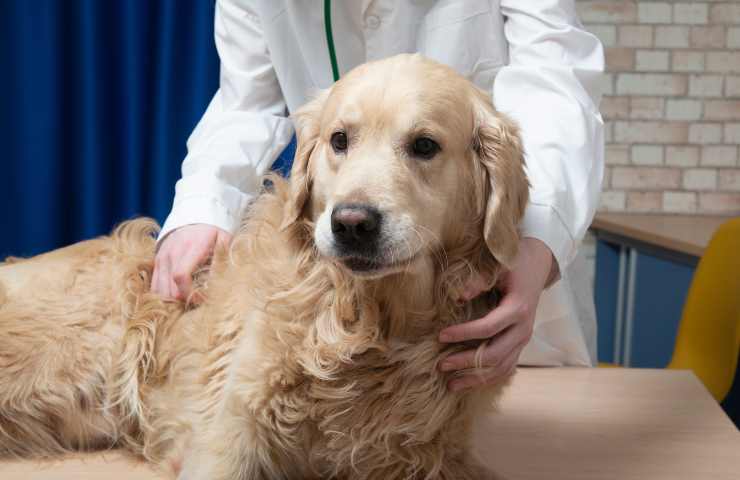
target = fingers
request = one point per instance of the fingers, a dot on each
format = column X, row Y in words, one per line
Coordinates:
column 162, row 285
column 182, row 274
column 180, row 254
column 155, row 278
column 497, row 351
column 174, row 292
column 223, row 239
column 221, row 246
column 509, row 326
column 492, row 377
column 501, row 317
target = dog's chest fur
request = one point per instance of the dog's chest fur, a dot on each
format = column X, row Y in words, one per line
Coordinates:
column 387, row 404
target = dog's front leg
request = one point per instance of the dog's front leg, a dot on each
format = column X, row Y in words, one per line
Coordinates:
column 230, row 456
column 236, row 448
column 250, row 438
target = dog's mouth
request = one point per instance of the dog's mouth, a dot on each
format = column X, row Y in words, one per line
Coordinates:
column 373, row 267
column 358, row 264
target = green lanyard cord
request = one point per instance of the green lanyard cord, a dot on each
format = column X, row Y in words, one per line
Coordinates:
column 330, row 40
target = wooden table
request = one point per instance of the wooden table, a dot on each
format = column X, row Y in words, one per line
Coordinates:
column 620, row 424
column 99, row 466
column 554, row 423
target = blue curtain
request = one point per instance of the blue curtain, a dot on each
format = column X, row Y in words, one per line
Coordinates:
column 98, row 99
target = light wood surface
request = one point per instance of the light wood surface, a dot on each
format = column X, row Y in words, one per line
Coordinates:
column 625, row 424
column 688, row 234
column 554, row 423
column 98, row 466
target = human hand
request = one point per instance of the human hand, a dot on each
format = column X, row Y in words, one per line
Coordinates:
column 180, row 254
column 509, row 326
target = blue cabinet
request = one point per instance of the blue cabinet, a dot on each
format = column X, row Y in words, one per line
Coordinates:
column 639, row 293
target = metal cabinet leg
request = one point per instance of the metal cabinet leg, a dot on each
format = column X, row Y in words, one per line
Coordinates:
column 629, row 308
column 619, row 314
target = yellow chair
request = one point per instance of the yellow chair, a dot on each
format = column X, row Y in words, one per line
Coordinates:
column 708, row 337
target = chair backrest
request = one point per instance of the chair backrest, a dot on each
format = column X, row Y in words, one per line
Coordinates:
column 708, row 338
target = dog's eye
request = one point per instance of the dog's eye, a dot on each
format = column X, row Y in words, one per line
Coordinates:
column 339, row 142
column 425, row 148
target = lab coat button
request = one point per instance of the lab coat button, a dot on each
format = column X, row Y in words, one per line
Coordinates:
column 372, row 22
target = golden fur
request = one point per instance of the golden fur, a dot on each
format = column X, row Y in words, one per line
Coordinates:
column 294, row 367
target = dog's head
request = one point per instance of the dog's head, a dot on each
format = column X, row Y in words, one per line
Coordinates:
column 403, row 158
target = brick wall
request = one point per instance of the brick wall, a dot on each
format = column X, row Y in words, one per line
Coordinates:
column 671, row 105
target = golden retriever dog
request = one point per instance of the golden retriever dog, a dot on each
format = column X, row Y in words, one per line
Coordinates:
column 314, row 353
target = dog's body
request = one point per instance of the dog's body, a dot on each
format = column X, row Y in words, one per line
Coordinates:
column 305, row 361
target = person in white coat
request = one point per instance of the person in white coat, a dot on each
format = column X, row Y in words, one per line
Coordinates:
column 542, row 69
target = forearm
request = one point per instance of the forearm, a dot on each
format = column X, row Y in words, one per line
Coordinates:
column 242, row 132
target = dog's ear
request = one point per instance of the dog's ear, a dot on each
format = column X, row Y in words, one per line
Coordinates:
column 505, row 189
column 307, row 126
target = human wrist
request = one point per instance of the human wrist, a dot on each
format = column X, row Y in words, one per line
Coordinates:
column 542, row 256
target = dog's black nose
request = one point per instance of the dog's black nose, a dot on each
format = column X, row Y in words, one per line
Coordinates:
column 355, row 226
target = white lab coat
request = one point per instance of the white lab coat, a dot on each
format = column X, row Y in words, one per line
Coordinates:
column 547, row 71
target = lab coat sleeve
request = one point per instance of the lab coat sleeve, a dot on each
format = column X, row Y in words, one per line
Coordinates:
column 242, row 132
column 551, row 87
